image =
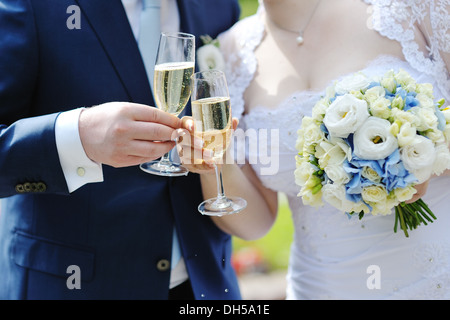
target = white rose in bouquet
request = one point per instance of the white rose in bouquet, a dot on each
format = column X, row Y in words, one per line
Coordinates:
column 405, row 79
column 345, row 115
column 335, row 195
column 406, row 134
column 418, row 157
column 427, row 116
column 389, row 82
column 404, row 194
column 313, row 134
column 303, row 172
column 373, row 140
column 320, row 109
column 352, row 83
column 442, row 161
column 373, row 94
column 381, row 108
column 337, row 174
column 332, row 152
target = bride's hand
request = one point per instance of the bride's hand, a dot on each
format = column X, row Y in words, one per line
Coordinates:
column 421, row 190
column 190, row 148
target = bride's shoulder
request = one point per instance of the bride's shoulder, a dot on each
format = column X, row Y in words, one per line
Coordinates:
column 244, row 33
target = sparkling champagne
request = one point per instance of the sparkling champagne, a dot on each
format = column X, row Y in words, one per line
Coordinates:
column 172, row 84
column 212, row 118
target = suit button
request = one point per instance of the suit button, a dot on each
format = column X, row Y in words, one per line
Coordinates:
column 163, row 265
column 41, row 187
column 27, row 186
column 20, row 188
column 33, row 187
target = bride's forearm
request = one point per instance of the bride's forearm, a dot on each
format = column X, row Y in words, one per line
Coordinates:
column 259, row 215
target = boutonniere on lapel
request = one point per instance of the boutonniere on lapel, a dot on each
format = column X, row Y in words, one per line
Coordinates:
column 209, row 55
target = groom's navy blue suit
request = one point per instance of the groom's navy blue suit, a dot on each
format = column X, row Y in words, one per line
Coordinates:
column 119, row 231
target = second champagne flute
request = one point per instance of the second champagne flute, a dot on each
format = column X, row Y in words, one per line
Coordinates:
column 211, row 113
column 172, row 88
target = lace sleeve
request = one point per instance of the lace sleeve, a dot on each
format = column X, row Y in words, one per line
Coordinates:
column 406, row 21
column 238, row 45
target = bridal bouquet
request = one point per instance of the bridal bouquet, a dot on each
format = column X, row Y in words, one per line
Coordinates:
column 369, row 142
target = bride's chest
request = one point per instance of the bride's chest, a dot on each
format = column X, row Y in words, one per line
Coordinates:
column 286, row 68
column 277, row 127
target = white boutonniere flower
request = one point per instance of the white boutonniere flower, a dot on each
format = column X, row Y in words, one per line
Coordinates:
column 209, row 55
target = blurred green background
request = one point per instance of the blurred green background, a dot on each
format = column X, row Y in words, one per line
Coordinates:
column 270, row 253
column 248, row 7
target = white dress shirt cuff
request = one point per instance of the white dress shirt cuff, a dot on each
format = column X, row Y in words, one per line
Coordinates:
column 78, row 169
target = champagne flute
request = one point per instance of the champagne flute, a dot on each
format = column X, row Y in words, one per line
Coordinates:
column 211, row 113
column 172, row 88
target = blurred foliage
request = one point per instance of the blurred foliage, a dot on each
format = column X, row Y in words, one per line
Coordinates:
column 248, row 7
column 270, row 252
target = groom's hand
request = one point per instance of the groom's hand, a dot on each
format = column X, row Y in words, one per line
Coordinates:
column 123, row 134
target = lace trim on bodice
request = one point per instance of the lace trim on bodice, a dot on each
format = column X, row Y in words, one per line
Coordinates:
column 398, row 20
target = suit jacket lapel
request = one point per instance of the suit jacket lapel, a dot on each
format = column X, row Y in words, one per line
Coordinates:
column 191, row 18
column 194, row 19
column 110, row 23
column 186, row 7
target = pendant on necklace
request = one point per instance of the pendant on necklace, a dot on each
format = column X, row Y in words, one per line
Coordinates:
column 300, row 39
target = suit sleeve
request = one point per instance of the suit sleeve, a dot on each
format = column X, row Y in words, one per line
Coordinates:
column 28, row 154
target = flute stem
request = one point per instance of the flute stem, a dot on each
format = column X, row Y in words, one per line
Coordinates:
column 165, row 160
column 222, row 200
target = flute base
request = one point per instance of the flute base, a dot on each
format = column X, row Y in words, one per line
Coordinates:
column 164, row 169
column 222, row 206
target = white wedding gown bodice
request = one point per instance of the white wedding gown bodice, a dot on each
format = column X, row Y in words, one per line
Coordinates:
column 332, row 256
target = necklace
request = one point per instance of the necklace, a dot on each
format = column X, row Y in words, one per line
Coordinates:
column 299, row 39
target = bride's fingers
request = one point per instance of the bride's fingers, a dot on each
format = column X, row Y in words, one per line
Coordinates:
column 235, row 123
column 186, row 139
column 187, row 123
column 421, row 190
column 193, row 155
column 195, row 164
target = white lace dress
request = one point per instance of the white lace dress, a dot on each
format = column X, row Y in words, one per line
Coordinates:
column 332, row 256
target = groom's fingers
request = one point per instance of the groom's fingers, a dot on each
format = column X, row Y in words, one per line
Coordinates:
column 148, row 149
column 192, row 155
column 108, row 132
column 146, row 113
column 151, row 131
